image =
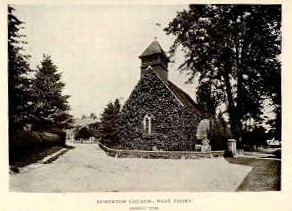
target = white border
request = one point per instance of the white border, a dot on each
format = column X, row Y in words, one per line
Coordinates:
column 200, row 201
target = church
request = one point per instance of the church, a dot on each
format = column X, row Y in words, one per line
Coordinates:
column 158, row 115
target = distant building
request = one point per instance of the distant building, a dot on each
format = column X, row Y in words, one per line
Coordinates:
column 85, row 128
column 158, row 115
column 88, row 122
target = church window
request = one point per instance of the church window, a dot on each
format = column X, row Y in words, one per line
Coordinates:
column 147, row 122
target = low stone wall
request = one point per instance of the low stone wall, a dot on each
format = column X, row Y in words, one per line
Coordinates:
column 160, row 154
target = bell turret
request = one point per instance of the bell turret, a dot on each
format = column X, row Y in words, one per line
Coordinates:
column 155, row 57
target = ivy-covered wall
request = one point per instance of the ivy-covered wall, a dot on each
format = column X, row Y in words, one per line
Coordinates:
column 173, row 125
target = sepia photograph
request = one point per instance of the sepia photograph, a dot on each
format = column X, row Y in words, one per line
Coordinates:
column 144, row 98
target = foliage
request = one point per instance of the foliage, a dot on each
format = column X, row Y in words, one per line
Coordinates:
column 83, row 133
column 207, row 98
column 95, row 129
column 278, row 153
column 219, row 133
column 173, row 126
column 32, row 138
column 24, row 144
column 276, row 123
column 109, row 121
column 235, row 49
column 26, row 99
column 51, row 106
column 257, row 136
column 19, row 83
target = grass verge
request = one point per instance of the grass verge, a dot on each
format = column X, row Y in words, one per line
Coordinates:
column 34, row 155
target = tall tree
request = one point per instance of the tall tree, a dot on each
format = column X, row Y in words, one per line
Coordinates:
column 235, row 48
column 207, row 98
column 51, row 106
column 109, row 121
column 19, row 83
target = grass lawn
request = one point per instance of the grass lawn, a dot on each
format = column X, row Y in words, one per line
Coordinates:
column 265, row 175
column 27, row 157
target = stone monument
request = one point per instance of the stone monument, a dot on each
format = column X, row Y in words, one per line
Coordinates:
column 205, row 145
column 231, row 146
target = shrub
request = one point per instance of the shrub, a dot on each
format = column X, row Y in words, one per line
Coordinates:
column 83, row 133
column 256, row 137
column 26, row 139
column 23, row 143
column 278, row 153
column 61, row 133
column 219, row 134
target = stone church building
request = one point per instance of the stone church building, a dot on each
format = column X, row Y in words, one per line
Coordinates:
column 158, row 115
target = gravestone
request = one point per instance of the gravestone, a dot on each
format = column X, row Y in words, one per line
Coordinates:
column 205, row 145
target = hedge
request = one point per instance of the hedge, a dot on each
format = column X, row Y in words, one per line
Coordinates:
column 23, row 144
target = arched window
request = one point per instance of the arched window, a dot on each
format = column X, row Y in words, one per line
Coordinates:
column 147, row 123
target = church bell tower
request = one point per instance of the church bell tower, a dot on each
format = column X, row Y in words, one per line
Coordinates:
column 155, row 57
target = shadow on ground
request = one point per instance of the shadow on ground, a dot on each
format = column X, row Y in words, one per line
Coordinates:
column 265, row 175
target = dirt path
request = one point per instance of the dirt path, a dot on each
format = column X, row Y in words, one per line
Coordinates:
column 87, row 168
column 265, row 175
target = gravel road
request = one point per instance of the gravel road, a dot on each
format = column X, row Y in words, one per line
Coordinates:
column 87, row 168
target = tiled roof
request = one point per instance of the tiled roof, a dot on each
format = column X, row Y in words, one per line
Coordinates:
column 85, row 121
column 153, row 48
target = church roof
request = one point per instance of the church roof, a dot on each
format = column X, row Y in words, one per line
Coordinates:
column 180, row 95
column 185, row 99
column 153, row 48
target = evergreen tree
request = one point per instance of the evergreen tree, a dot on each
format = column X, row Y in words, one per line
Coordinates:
column 235, row 48
column 19, row 83
column 83, row 133
column 109, row 121
column 51, row 106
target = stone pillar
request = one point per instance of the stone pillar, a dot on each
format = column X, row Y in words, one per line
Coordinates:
column 231, row 145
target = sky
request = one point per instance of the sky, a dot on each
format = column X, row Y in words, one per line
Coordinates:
column 97, row 47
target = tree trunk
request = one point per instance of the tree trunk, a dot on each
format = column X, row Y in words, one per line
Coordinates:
column 232, row 110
